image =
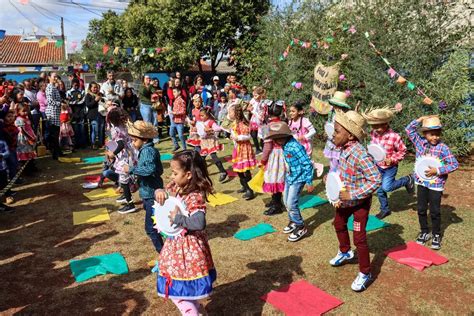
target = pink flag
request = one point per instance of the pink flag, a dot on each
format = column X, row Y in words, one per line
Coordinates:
column 391, row 72
column 73, row 45
column 24, row 2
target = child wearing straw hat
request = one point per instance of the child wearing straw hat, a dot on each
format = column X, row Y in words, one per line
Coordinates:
column 429, row 192
column 338, row 102
column 395, row 150
column 299, row 172
column 361, row 178
column 148, row 170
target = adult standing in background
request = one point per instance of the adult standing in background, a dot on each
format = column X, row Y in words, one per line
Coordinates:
column 53, row 110
column 216, row 85
column 110, row 89
column 147, row 112
column 30, row 94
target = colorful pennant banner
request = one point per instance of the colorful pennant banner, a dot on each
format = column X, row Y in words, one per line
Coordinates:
column 135, row 51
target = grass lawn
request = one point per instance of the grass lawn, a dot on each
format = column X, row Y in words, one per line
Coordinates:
column 38, row 240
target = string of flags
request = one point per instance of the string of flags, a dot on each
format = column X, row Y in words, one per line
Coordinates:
column 136, row 51
column 400, row 79
column 306, row 44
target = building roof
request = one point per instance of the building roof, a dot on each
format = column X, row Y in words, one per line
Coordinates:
column 18, row 51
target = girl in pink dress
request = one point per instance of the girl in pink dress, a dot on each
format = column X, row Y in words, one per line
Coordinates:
column 26, row 137
column 193, row 138
column 303, row 130
column 65, row 129
column 186, row 268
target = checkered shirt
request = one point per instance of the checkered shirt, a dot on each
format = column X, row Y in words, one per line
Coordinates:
column 441, row 151
column 53, row 108
column 393, row 145
column 300, row 167
column 358, row 173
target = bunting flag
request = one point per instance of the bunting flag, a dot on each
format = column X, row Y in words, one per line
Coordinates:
column 21, row 69
column 24, row 2
column 105, row 49
column 43, row 42
column 73, row 45
column 136, row 50
column 116, row 50
column 308, row 44
column 38, row 68
column 59, row 43
column 2, row 34
column 395, row 74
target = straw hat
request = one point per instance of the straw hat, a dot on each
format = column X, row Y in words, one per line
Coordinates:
column 142, row 129
column 378, row 116
column 339, row 99
column 353, row 122
column 431, row 123
column 278, row 130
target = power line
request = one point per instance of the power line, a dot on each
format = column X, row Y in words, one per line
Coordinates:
column 37, row 6
column 89, row 6
column 27, row 18
column 80, row 6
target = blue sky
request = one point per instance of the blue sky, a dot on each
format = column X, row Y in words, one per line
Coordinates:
column 44, row 15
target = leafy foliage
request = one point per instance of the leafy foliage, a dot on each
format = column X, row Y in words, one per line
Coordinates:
column 424, row 40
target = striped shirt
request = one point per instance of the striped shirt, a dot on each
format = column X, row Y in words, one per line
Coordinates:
column 392, row 143
column 440, row 150
column 358, row 173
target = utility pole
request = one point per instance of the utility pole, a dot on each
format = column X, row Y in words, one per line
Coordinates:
column 63, row 39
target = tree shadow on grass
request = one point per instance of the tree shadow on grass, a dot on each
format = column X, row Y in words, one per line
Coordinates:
column 244, row 294
column 226, row 228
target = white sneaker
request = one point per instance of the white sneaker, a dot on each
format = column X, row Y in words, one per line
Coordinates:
column 361, row 282
column 341, row 257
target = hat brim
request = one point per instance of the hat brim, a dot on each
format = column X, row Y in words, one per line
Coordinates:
column 350, row 126
column 278, row 135
column 380, row 121
column 136, row 133
column 424, row 129
column 341, row 104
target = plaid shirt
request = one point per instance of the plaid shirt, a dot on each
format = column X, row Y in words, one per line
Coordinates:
column 441, row 151
column 148, row 170
column 358, row 173
column 53, row 108
column 300, row 167
column 179, row 110
column 393, row 145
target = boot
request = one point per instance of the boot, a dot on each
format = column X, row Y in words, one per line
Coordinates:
column 241, row 190
column 273, row 210
column 223, row 173
column 249, row 194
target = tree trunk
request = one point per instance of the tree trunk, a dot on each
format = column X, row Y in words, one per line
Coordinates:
column 199, row 65
column 213, row 65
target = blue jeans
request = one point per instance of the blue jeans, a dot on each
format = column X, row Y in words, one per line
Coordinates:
column 179, row 128
column 45, row 127
column 149, row 229
column 389, row 184
column 12, row 164
column 80, row 134
column 149, row 115
column 291, row 197
column 98, row 130
column 111, row 175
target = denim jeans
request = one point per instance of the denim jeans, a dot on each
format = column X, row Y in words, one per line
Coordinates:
column 80, row 134
column 12, row 164
column 45, row 127
column 111, row 175
column 98, row 130
column 389, row 184
column 291, row 200
column 149, row 229
column 180, row 129
column 149, row 115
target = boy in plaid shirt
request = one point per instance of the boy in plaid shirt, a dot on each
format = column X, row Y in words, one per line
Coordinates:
column 395, row 151
column 299, row 173
column 361, row 178
column 430, row 192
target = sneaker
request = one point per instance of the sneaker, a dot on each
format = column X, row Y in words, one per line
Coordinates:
column 341, row 257
column 410, row 187
column 436, row 242
column 290, row 228
column 249, row 195
column 127, row 208
column 9, row 200
column 222, row 177
column 121, row 199
column 382, row 215
column 423, row 238
column 361, row 282
column 298, row 233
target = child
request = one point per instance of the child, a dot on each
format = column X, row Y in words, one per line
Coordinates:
column 179, row 116
column 257, row 107
column 395, row 151
column 193, row 138
column 210, row 143
column 65, row 131
column 430, row 192
column 338, row 102
column 158, row 105
column 222, row 109
column 186, row 268
column 303, row 130
column 148, row 170
column 243, row 157
column 361, row 178
column 11, row 137
column 299, row 172
column 273, row 160
column 123, row 155
column 26, row 138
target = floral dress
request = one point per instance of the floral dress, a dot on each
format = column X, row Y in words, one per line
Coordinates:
column 65, row 129
column 210, row 143
column 258, row 115
column 26, row 139
column 243, row 157
column 275, row 170
column 194, row 139
column 186, row 267
column 127, row 156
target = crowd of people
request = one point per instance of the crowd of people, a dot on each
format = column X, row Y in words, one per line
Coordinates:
column 264, row 133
